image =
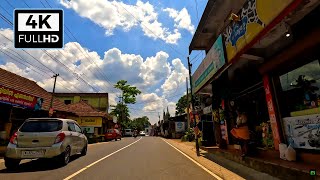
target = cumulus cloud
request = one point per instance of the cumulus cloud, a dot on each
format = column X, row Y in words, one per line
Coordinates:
column 81, row 69
column 176, row 80
column 124, row 16
column 181, row 18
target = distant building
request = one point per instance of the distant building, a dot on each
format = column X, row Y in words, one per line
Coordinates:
column 99, row 101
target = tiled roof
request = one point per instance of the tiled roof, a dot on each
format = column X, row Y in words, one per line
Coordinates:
column 84, row 109
column 82, row 94
column 19, row 83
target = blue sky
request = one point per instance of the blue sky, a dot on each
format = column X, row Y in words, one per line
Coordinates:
column 113, row 41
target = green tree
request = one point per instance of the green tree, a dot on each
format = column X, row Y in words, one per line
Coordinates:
column 129, row 92
column 182, row 105
column 140, row 123
column 121, row 110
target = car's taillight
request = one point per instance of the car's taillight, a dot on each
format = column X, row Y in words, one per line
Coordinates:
column 60, row 137
column 13, row 139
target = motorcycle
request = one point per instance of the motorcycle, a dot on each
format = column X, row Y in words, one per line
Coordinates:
column 135, row 134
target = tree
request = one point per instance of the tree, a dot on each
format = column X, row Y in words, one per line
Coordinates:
column 182, row 105
column 129, row 92
column 140, row 123
column 121, row 110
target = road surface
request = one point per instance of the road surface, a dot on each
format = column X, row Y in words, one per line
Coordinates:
column 131, row 158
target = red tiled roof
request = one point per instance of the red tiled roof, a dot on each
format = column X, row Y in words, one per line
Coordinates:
column 84, row 109
column 19, row 83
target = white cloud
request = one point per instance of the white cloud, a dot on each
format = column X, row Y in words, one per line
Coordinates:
column 182, row 19
column 114, row 14
column 176, row 80
column 145, row 73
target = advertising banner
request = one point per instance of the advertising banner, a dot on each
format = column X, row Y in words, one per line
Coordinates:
column 180, row 126
column 88, row 121
column 14, row 97
column 303, row 131
column 272, row 113
column 210, row 65
column 255, row 16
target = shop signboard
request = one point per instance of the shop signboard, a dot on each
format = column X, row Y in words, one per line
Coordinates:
column 180, row 126
column 272, row 113
column 88, row 121
column 303, row 131
column 255, row 15
column 87, row 129
column 18, row 98
column 213, row 61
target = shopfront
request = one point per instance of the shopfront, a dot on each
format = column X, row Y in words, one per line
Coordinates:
column 15, row 108
column 92, row 125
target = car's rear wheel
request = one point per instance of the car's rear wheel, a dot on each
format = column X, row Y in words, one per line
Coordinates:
column 84, row 151
column 116, row 139
column 11, row 164
column 64, row 158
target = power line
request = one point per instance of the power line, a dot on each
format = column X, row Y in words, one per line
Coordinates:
column 88, row 55
column 9, row 3
column 197, row 9
column 48, row 55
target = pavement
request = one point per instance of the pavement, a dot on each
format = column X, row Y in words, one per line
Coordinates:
column 131, row 158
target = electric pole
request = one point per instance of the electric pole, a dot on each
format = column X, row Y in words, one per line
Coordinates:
column 193, row 109
column 54, row 88
column 188, row 113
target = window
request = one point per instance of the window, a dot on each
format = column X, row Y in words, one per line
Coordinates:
column 67, row 102
column 86, row 101
column 78, row 129
column 71, row 127
column 41, row 126
column 301, row 87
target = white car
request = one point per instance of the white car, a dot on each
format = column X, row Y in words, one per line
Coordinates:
column 46, row 138
column 142, row 133
column 128, row 132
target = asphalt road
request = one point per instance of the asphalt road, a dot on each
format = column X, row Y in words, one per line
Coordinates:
column 131, row 158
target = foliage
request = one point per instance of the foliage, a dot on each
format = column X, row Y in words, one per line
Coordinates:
column 140, row 123
column 124, row 117
column 182, row 105
column 129, row 92
column 189, row 135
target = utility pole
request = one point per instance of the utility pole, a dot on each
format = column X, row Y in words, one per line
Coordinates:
column 54, row 88
column 193, row 109
column 188, row 113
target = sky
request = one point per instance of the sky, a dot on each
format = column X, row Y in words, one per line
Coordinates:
column 143, row 42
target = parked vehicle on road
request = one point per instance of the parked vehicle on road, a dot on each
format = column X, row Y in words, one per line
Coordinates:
column 46, row 138
column 142, row 133
column 113, row 134
column 128, row 132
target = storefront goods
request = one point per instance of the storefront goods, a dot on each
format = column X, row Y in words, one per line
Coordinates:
column 303, row 131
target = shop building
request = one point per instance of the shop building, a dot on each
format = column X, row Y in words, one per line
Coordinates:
column 264, row 58
column 21, row 98
column 99, row 101
column 92, row 121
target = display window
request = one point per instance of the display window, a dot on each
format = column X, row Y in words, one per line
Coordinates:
column 301, row 90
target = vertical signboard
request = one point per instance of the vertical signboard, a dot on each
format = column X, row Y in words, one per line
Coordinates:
column 272, row 113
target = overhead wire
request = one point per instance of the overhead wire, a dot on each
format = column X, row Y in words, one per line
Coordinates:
column 87, row 55
column 1, row 15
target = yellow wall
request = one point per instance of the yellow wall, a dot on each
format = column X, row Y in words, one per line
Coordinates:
column 100, row 103
column 88, row 121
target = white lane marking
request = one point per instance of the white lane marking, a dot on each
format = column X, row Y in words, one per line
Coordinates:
column 83, row 169
column 194, row 161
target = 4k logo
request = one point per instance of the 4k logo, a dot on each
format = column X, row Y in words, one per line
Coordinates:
column 38, row 28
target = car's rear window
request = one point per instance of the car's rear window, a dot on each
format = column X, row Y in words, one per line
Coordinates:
column 128, row 130
column 41, row 126
column 109, row 131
